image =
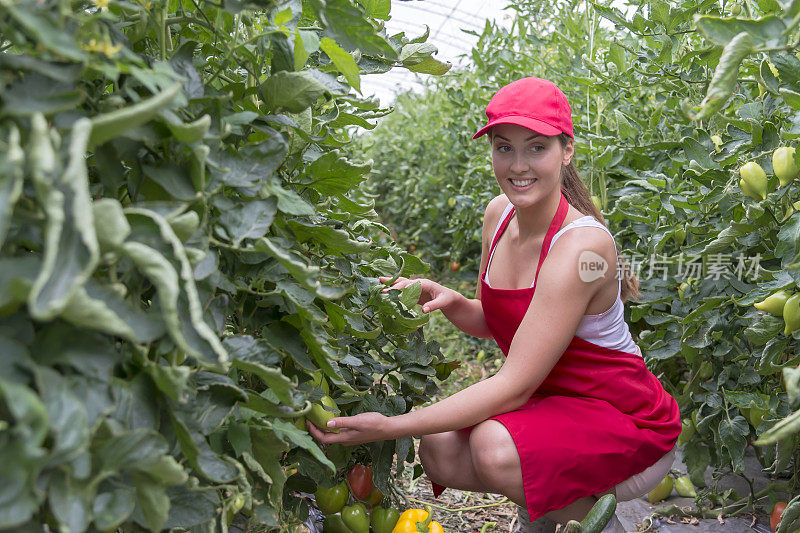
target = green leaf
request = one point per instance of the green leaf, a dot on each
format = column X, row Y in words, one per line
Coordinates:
column 98, row 307
column 152, row 503
column 68, row 418
column 268, row 450
column 624, row 126
column 174, row 280
column 110, row 224
column 788, row 67
column 11, row 167
column 291, row 91
column 430, row 65
column 174, row 179
column 71, row 250
column 191, row 507
column 200, row 455
column 377, row 9
column 344, row 62
column 787, row 427
column 331, row 239
column 250, row 165
column 766, row 31
column 345, row 24
column 333, row 173
column 115, row 123
column 44, row 31
column 70, row 501
column 35, row 93
column 29, row 413
column 733, row 434
column 284, row 430
column 791, row 97
column 305, row 43
column 112, row 508
column 725, row 75
column 248, row 221
column 272, row 378
column 410, row 295
column 166, row 470
column 414, row 53
column 139, row 448
column 616, row 54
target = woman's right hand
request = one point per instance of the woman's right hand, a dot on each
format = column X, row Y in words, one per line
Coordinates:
column 433, row 296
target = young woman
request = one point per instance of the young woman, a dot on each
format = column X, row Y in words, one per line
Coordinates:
column 573, row 413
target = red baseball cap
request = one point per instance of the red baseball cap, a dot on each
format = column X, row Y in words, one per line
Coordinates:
column 533, row 103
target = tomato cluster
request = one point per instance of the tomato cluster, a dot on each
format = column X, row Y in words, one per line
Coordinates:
column 364, row 510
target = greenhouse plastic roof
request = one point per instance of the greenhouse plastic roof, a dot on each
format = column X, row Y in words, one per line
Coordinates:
column 446, row 19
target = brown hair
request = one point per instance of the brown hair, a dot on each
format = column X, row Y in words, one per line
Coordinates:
column 578, row 196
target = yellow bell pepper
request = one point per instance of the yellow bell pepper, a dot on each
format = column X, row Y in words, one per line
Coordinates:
column 412, row 518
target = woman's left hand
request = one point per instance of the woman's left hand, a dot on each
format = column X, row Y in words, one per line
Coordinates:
column 353, row 430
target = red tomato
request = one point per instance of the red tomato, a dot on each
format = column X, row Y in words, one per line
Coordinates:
column 360, row 480
column 455, row 266
column 775, row 517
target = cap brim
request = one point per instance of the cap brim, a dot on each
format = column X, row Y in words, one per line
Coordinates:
column 526, row 122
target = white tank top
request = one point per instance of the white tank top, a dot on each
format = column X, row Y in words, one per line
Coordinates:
column 607, row 329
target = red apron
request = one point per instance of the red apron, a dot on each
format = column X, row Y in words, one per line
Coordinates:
column 598, row 418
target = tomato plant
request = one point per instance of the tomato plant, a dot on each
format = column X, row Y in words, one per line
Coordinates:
column 181, row 231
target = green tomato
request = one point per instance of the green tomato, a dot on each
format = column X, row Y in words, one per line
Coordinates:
column 679, row 236
column 783, row 164
column 319, row 416
column 774, row 303
column 791, row 314
column 300, row 423
column 334, row 524
column 682, row 290
column 356, row 518
column 687, row 431
column 384, row 519
column 706, row 370
column 662, row 490
column 684, row 487
column 754, row 180
column 332, row 500
column 757, row 415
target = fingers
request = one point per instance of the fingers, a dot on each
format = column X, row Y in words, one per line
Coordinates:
column 400, row 283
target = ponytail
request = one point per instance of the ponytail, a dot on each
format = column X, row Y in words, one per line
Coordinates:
column 578, row 196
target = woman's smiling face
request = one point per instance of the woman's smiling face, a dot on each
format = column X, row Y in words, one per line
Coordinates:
column 527, row 165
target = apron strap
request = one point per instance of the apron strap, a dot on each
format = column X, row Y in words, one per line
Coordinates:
column 555, row 225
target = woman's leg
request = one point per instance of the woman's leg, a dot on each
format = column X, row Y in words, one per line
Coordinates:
column 498, row 466
column 446, row 459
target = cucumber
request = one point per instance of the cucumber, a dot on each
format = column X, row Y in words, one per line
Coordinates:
column 599, row 515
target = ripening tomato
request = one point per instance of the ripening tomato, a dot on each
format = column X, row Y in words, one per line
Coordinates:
column 360, row 480
column 455, row 266
column 775, row 517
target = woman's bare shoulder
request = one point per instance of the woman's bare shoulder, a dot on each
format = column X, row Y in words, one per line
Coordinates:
column 494, row 209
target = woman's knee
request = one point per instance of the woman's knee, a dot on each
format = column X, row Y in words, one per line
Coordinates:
column 439, row 454
column 494, row 454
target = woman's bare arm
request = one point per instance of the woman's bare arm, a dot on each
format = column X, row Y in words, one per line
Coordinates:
column 537, row 346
